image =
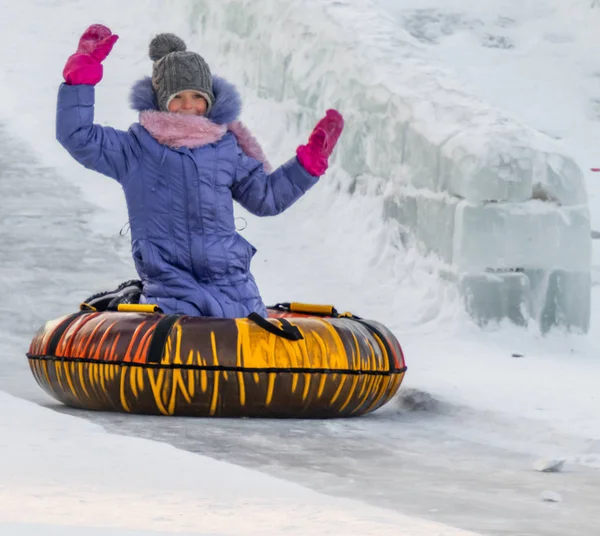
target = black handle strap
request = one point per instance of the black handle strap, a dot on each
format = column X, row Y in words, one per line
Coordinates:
column 60, row 331
column 287, row 331
column 160, row 336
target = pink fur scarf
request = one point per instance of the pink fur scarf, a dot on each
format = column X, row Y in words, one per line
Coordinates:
column 177, row 130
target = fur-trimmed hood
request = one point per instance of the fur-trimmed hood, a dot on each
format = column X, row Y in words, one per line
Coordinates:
column 226, row 108
column 176, row 130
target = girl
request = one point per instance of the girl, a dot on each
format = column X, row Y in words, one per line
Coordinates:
column 181, row 167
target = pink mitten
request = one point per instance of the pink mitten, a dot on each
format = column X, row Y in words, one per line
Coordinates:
column 315, row 154
column 85, row 66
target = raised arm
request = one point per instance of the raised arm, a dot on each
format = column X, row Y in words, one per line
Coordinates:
column 269, row 194
column 106, row 150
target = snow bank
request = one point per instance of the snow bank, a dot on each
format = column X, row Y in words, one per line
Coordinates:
column 498, row 202
column 64, row 475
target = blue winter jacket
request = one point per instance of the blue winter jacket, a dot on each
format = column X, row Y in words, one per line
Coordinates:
column 185, row 247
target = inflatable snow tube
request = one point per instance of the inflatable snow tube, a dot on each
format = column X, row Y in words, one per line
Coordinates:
column 301, row 362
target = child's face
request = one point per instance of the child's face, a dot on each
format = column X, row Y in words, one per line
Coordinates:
column 188, row 102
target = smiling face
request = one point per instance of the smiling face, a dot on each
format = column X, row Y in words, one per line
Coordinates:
column 188, row 102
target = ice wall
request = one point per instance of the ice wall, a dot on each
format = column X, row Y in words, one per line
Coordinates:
column 499, row 203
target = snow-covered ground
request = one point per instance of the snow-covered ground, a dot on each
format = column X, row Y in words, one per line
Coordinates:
column 507, row 388
column 63, row 475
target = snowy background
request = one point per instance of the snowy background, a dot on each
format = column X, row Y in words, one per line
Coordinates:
column 478, row 406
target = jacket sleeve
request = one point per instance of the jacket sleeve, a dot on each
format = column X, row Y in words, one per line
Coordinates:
column 265, row 194
column 103, row 149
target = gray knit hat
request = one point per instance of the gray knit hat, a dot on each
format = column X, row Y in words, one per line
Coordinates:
column 175, row 69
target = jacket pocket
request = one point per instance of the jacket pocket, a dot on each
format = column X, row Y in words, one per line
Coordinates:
column 241, row 253
column 152, row 258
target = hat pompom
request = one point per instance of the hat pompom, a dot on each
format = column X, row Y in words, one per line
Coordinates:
column 164, row 44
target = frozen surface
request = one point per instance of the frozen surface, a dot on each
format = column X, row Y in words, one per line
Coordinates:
column 68, row 476
column 530, row 59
